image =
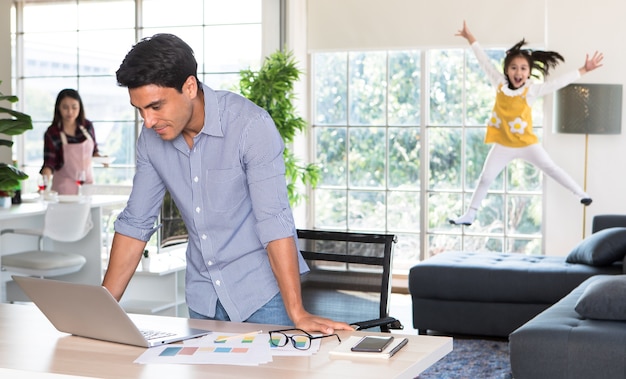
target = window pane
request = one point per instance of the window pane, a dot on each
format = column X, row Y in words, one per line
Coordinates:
column 406, row 251
column 331, row 209
column 232, row 11
column 524, row 214
column 460, row 101
column 237, row 46
column 441, row 207
column 331, row 155
column 523, row 176
column 491, row 215
column 404, row 88
column 446, row 87
column 366, row 211
column 404, row 158
column 524, row 246
column 45, row 17
column 440, row 243
column 403, row 211
column 98, row 56
column 116, row 139
column 104, row 100
column 33, row 144
column 228, row 82
column 163, row 13
column 366, row 158
column 331, row 90
column 114, row 174
column 51, row 54
column 40, row 95
column 367, row 78
column 483, row 244
column 444, row 145
column 106, row 14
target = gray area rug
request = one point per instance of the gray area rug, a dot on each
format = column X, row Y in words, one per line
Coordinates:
column 473, row 359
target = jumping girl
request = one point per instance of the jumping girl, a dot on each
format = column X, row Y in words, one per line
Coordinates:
column 510, row 127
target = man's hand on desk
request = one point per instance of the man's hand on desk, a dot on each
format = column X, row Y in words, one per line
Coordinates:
column 316, row 324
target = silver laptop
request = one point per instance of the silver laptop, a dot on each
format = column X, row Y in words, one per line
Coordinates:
column 91, row 311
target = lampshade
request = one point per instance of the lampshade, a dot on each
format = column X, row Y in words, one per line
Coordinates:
column 589, row 109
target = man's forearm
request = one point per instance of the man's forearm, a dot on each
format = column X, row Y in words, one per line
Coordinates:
column 123, row 260
column 283, row 256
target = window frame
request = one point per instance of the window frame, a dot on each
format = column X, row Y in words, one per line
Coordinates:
column 428, row 229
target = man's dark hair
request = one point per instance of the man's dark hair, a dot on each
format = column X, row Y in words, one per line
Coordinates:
column 163, row 60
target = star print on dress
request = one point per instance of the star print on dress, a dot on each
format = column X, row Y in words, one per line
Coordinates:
column 518, row 125
column 494, row 120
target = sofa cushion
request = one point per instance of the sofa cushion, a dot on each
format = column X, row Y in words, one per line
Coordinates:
column 561, row 344
column 483, row 277
column 601, row 248
column 604, row 299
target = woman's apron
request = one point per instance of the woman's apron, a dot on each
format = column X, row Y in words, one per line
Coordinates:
column 76, row 158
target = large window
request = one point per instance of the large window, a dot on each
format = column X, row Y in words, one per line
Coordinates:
column 80, row 44
column 399, row 137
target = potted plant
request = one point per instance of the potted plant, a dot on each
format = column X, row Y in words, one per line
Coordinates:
column 272, row 88
column 16, row 124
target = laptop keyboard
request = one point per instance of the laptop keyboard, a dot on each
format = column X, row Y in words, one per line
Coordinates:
column 154, row 334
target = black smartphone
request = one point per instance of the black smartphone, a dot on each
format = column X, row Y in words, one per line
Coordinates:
column 372, row 344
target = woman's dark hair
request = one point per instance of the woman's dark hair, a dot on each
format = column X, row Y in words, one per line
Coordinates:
column 538, row 60
column 68, row 92
column 163, row 60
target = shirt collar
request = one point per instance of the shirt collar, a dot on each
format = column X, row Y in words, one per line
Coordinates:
column 212, row 122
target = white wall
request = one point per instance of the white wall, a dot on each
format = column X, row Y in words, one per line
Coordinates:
column 571, row 27
column 375, row 24
column 575, row 28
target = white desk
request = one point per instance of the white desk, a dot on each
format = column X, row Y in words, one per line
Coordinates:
column 160, row 289
column 31, row 215
column 30, row 343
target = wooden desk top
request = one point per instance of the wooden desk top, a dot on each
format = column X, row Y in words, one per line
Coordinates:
column 29, row 342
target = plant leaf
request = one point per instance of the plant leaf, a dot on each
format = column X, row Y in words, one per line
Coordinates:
column 10, row 177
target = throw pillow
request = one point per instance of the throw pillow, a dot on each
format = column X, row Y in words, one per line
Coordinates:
column 601, row 248
column 604, row 299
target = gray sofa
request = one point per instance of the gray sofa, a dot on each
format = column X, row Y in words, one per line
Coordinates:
column 560, row 343
column 493, row 294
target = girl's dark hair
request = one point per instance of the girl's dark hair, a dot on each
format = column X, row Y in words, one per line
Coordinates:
column 538, row 60
column 163, row 60
column 68, row 92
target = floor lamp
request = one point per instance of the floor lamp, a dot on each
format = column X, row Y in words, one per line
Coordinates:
column 589, row 109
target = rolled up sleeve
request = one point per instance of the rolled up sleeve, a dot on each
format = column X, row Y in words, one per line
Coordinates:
column 265, row 170
column 138, row 219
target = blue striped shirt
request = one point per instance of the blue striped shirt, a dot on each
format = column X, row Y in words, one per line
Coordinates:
column 230, row 189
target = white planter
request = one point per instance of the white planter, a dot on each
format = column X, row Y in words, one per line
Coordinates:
column 145, row 264
column 5, row 202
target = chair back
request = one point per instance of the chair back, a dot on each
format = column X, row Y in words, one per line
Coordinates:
column 67, row 222
column 350, row 274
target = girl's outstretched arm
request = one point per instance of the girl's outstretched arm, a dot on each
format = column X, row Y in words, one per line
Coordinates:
column 465, row 33
column 591, row 63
